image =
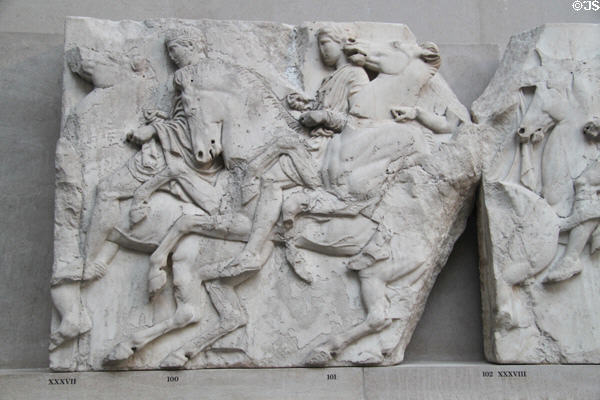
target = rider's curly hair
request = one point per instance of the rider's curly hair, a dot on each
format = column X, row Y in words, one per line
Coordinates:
column 337, row 33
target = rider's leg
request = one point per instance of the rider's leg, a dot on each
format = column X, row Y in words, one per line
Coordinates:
column 266, row 215
column 226, row 269
column 228, row 227
column 203, row 193
column 570, row 264
column 316, row 201
column 106, row 215
column 377, row 249
column 231, row 317
column 139, row 205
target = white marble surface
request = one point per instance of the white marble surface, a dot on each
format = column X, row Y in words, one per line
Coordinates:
column 310, row 192
column 538, row 212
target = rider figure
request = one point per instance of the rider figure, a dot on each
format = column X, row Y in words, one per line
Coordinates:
column 325, row 116
column 174, row 134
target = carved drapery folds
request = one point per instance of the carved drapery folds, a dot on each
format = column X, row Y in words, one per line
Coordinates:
column 264, row 195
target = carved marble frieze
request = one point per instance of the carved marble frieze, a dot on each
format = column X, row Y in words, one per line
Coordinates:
column 250, row 194
column 539, row 204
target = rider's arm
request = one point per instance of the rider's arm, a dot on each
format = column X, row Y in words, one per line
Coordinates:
column 438, row 123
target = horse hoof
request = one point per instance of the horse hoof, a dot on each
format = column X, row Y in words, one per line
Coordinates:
column 569, row 267
column 71, row 326
column 318, row 357
column 119, row 353
column 366, row 358
column 138, row 213
column 175, row 360
column 157, row 282
column 359, row 262
column 158, row 261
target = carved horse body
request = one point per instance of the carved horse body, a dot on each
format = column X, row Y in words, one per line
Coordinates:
column 358, row 167
column 355, row 159
column 222, row 107
column 564, row 104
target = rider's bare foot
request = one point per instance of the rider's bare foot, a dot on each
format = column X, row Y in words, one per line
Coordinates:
column 318, row 357
column 94, row 270
column 360, row 262
column 175, row 360
column 71, row 326
column 563, row 270
column 138, row 212
column 298, row 263
column 158, row 259
column 247, row 261
column 291, row 208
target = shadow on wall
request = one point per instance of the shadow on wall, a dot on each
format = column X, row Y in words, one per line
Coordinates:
column 450, row 328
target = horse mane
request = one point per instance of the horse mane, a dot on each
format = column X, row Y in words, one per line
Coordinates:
column 245, row 81
column 258, row 81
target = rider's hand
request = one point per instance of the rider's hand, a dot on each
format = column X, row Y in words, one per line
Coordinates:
column 311, row 119
column 297, row 101
column 403, row 114
column 141, row 135
column 153, row 115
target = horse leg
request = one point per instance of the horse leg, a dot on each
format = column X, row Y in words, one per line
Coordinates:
column 228, row 227
column 105, row 216
column 373, row 287
column 373, row 294
column 74, row 320
column 570, row 264
column 231, row 315
column 185, row 312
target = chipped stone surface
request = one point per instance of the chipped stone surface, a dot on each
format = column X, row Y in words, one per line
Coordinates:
column 538, row 214
column 242, row 194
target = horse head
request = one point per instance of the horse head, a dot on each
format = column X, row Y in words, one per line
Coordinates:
column 105, row 69
column 394, row 57
column 564, row 89
column 205, row 114
column 401, row 69
column 548, row 107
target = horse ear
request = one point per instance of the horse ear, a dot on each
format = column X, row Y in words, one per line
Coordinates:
column 532, row 77
column 542, row 57
column 430, row 53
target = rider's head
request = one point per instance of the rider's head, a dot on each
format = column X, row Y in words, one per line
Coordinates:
column 331, row 40
column 185, row 47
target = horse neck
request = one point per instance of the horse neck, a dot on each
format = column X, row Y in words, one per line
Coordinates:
column 404, row 88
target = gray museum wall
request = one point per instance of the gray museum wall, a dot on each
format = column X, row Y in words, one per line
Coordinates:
column 472, row 35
